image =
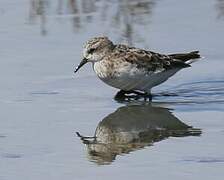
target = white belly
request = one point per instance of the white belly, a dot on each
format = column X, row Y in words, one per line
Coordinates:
column 131, row 78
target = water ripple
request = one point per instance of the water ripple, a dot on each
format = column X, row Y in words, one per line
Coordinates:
column 11, row 156
column 205, row 159
column 202, row 92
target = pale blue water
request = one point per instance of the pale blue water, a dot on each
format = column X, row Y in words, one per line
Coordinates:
column 43, row 103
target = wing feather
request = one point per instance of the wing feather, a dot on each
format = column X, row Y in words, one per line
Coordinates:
column 149, row 60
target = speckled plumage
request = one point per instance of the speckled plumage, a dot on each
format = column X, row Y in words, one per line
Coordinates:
column 129, row 68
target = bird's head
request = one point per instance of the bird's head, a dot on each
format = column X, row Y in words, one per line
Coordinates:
column 95, row 49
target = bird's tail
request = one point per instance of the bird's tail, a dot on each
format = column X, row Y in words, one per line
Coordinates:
column 188, row 58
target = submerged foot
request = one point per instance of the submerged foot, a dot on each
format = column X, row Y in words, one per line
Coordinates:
column 129, row 95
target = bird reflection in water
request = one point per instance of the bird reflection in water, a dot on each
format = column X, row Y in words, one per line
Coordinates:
column 131, row 128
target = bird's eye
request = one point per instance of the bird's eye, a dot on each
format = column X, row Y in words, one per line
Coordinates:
column 91, row 50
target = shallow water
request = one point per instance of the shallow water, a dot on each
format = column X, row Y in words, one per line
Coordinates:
column 43, row 104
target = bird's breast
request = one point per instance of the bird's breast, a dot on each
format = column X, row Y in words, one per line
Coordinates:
column 129, row 77
column 105, row 69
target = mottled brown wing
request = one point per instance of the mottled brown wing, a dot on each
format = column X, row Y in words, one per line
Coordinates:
column 153, row 61
column 168, row 62
column 185, row 56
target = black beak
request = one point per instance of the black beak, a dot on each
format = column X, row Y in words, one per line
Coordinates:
column 84, row 61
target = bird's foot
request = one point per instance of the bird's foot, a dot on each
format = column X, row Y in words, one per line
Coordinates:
column 128, row 95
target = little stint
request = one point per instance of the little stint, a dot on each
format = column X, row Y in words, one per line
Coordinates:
column 132, row 69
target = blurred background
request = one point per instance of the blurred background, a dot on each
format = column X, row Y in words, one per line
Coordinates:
column 43, row 103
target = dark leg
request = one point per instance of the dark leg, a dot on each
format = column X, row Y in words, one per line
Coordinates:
column 122, row 95
column 148, row 96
